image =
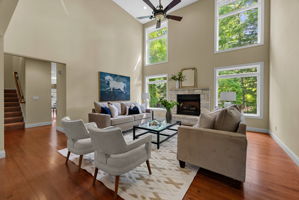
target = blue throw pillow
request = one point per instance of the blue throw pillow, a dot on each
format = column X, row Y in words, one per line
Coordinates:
column 105, row 110
column 134, row 110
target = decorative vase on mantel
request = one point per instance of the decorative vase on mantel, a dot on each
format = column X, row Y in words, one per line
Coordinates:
column 168, row 116
column 177, row 84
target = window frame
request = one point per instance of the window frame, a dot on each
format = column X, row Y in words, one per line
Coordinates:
column 147, row 90
column 260, row 84
column 146, row 41
column 261, row 21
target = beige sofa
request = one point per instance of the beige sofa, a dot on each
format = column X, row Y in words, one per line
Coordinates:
column 123, row 121
column 219, row 151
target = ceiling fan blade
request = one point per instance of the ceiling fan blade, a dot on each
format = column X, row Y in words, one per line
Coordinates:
column 177, row 18
column 158, row 24
column 150, row 4
column 171, row 5
column 144, row 17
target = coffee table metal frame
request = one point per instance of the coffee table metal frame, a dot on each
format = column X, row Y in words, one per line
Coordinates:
column 157, row 132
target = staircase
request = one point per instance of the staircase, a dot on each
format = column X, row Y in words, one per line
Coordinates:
column 13, row 118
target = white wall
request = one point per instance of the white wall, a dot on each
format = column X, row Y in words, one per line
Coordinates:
column 38, row 91
column 191, row 44
column 284, row 70
column 6, row 10
column 1, row 97
column 89, row 36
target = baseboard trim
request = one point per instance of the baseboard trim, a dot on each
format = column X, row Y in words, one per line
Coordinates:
column 260, row 130
column 2, row 154
column 290, row 153
column 60, row 129
column 38, row 124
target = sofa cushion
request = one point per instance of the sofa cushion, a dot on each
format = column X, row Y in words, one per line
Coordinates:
column 121, row 119
column 142, row 116
column 228, row 119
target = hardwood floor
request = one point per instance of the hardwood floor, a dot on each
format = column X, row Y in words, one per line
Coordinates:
column 34, row 170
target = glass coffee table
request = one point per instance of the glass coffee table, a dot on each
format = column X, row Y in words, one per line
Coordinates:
column 157, row 127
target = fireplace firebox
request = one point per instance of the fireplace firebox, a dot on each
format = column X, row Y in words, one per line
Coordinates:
column 188, row 104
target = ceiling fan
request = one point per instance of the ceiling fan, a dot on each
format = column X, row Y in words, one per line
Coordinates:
column 159, row 13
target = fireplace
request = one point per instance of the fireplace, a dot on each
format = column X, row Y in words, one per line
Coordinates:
column 189, row 104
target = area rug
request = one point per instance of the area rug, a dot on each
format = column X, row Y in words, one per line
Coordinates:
column 168, row 180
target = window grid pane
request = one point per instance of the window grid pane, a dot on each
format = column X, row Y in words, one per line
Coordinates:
column 156, row 45
column 236, row 5
column 246, row 92
column 239, row 24
column 239, row 30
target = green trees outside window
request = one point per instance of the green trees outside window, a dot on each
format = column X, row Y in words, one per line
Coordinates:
column 157, row 89
column 156, row 45
column 245, row 82
column 238, row 24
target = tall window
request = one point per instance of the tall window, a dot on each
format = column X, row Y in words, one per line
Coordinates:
column 246, row 81
column 238, row 24
column 156, row 44
column 156, row 87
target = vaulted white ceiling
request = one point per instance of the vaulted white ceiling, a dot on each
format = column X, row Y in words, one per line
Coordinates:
column 138, row 8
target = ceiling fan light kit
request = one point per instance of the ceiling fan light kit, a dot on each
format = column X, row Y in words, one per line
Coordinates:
column 159, row 13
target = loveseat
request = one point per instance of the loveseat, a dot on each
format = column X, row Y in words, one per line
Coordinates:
column 221, row 151
column 124, row 121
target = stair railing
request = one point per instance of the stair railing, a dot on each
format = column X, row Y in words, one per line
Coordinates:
column 19, row 89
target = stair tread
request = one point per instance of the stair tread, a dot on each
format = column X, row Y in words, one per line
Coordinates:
column 14, row 126
column 15, row 123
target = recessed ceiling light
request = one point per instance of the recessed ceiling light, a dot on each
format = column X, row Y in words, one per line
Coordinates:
column 144, row 7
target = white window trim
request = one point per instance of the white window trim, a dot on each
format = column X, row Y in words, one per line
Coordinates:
column 151, row 29
column 261, row 21
column 260, row 85
column 146, row 89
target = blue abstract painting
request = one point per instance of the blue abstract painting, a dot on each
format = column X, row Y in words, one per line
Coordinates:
column 114, row 87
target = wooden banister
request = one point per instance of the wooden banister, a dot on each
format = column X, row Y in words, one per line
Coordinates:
column 19, row 89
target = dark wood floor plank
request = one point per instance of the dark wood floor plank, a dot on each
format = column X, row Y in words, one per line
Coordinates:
column 34, row 169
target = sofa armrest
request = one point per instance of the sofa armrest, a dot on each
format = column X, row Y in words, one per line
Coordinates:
column 219, row 151
column 150, row 111
column 147, row 140
column 242, row 128
column 102, row 120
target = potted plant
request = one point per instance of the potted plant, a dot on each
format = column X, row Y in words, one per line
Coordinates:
column 179, row 77
column 168, row 105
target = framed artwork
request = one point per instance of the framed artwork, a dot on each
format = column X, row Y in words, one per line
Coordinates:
column 114, row 87
column 190, row 78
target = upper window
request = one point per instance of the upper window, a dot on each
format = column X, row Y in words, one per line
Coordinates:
column 238, row 24
column 245, row 82
column 156, row 87
column 156, row 44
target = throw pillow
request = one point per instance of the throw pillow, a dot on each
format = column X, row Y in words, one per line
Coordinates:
column 206, row 120
column 139, row 107
column 97, row 107
column 105, row 110
column 143, row 108
column 114, row 110
column 124, row 106
column 228, row 119
column 133, row 110
column 118, row 106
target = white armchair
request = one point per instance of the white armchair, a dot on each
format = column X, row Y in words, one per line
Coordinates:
column 114, row 156
column 78, row 141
